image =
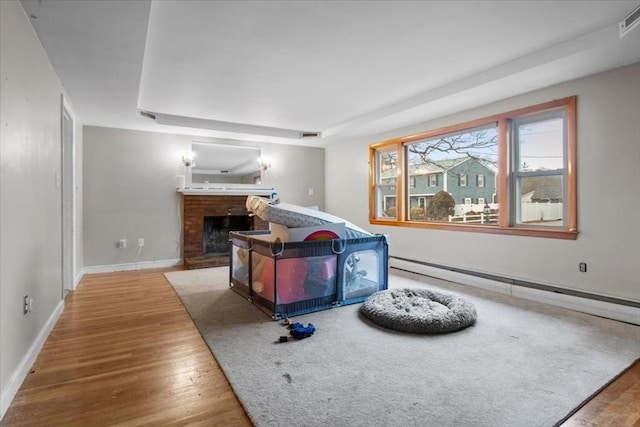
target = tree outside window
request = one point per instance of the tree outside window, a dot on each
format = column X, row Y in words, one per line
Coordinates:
column 522, row 164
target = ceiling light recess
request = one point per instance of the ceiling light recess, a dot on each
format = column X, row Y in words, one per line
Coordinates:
column 217, row 125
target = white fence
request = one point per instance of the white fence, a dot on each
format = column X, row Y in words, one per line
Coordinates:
column 462, row 209
column 529, row 212
column 480, row 218
column 534, row 211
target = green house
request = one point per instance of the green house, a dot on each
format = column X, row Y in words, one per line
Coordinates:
column 467, row 179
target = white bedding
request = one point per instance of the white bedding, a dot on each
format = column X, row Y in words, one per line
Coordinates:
column 294, row 216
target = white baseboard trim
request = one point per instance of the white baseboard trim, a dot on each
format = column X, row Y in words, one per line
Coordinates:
column 606, row 309
column 78, row 279
column 29, row 358
column 132, row 266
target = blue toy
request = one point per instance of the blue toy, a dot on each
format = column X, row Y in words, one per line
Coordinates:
column 299, row 331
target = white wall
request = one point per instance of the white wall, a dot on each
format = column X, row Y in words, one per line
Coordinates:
column 294, row 171
column 130, row 191
column 608, row 198
column 30, row 200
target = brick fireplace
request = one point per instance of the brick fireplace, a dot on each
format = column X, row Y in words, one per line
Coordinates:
column 214, row 211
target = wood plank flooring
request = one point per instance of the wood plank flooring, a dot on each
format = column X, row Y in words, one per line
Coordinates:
column 126, row 353
column 617, row 405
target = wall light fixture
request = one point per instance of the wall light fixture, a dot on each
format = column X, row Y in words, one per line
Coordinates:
column 264, row 163
column 189, row 159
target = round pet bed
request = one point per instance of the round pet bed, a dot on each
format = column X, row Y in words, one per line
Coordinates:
column 421, row 311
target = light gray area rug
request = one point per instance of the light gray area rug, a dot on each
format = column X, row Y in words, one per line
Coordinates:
column 522, row 364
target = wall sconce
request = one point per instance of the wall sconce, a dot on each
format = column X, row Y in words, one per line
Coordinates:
column 264, row 163
column 188, row 159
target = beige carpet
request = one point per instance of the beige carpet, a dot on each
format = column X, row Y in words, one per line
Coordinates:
column 522, row 364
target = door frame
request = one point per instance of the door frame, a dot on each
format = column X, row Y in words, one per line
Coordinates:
column 68, row 198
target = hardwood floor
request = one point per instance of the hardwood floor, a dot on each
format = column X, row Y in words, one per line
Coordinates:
column 617, row 405
column 125, row 352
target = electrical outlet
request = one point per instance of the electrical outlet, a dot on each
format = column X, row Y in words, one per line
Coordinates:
column 141, row 242
column 122, row 243
column 25, row 304
column 582, row 267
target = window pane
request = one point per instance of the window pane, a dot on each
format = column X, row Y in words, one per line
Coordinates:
column 541, row 200
column 442, row 166
column 541, row 145
column 386, row 173
column 540, row 169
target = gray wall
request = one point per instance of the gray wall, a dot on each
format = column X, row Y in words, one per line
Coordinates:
column 130, row 190
column 79, row 211
column 608, row 197
column 30, row 200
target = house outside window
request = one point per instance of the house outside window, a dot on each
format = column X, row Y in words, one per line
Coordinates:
column 539, row 169
column 389, row 204
column 412, row 182
column 523, row 162
column 386, row 173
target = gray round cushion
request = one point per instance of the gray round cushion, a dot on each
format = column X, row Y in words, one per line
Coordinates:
column 420, row 311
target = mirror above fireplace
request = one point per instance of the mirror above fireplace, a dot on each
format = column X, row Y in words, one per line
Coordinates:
column 225, row 163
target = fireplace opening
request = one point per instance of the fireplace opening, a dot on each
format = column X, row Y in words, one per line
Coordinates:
column 215, row 236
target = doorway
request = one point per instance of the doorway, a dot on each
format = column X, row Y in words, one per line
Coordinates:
column 68, row 200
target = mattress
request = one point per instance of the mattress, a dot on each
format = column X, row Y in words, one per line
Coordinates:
column 294, row 216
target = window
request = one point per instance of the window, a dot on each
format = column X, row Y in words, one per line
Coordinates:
column 524, row 167
column 386, row 175
column 389, row 203
column 539, row 169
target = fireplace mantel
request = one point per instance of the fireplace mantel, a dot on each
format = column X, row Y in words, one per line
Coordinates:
column 215, row 190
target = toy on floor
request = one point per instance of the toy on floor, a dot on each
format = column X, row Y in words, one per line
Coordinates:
column 299, row 331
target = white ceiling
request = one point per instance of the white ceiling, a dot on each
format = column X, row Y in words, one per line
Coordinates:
column 265, row 70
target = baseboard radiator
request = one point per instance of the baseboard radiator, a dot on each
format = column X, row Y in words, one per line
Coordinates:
column 598, row 305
